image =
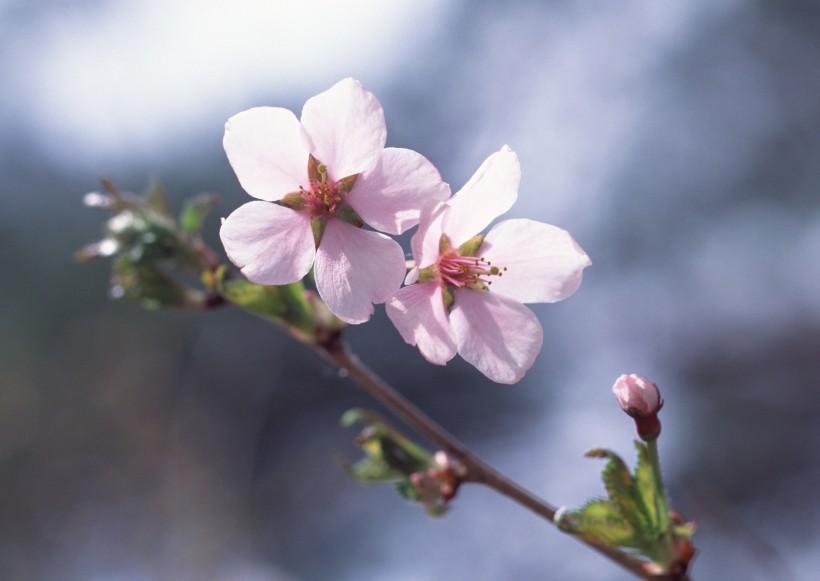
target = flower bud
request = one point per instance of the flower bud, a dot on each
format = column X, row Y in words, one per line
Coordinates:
column 636, row 395
column 640, row 399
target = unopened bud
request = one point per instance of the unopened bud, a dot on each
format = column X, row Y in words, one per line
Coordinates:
column 641, row 400
column 637, row 396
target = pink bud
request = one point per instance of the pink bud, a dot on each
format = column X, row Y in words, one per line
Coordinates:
column 637, row 395
column 640, row 399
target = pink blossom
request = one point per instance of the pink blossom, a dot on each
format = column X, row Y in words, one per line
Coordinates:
column 465, row 295
column 330, row 174
column 637, row 396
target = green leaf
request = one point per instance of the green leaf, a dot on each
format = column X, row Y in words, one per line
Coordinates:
column 195, row 210
column 650, row 499
column 151, row 287
column 636, row 514
column 620, row 487
column 304, row 315
column 380, row 439
column 391, row 457
column 265, row 301
column 372, row 469
column 600, row 520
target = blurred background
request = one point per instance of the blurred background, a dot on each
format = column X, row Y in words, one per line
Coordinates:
column 679, row 144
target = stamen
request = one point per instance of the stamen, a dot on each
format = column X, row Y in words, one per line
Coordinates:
column 467, row 271
column 323, row 198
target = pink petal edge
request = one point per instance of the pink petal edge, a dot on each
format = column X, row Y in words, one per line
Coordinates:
column 425, row 242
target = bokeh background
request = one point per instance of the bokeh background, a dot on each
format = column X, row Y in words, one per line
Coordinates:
column 678, row 141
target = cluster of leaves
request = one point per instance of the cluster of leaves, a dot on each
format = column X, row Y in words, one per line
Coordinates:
column 392, row 458
column 152, row 250
column 635, row 516
column 159, row 261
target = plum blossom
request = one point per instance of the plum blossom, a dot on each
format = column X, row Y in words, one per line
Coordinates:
column 330, row 174
column 466, row 293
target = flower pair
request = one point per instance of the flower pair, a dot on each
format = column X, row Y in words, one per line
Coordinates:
column 331, row 174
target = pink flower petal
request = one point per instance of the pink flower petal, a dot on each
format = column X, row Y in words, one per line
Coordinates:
column 265, row 149
column 491, row 191
column 425, row 242
column 499, row 336
column 544, row 263
column 389, row 196
column 270, row 243
column 418, row 313
column 412, row 276
column 356, row 268
column 344, row 128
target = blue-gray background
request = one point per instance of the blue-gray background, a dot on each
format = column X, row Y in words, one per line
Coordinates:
column 678, row 141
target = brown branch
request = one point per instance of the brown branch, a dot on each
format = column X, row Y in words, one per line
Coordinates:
column 477, row 471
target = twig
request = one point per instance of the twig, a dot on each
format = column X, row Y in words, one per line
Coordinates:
column 478, row 471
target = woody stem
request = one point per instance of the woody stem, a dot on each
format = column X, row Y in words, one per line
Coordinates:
column 478, row 471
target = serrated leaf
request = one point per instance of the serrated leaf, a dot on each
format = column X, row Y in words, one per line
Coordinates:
column 620, row 487
column 600, row 520
column 636, row 514
column 195, row 210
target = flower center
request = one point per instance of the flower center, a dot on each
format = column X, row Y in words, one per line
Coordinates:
column 467, row 271
column 323, row 198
